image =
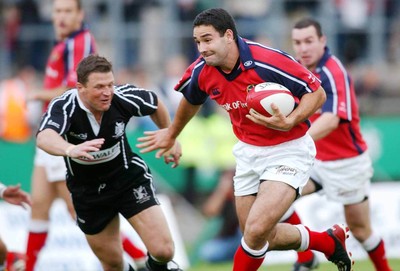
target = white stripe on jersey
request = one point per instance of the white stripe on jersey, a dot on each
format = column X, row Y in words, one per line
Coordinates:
column 88, row 42
column 139, row 162
column 69, row 95
column 262, row 65
column 334, row 89
column 190, row 78
column 122, row 93
column 270, row 48
column 71, row 53
column 348, row 92
column 124, row 153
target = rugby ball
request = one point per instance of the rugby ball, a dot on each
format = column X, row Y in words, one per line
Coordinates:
column 262, row 95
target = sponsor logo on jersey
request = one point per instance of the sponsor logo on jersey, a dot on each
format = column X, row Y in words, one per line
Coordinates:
column 101, row 156
column 141, row 194
column 234, row 105
column 119, row 129
column 55, row 124
column 81, row 220
column 215, row 91
column 79, row 136
column 248, row 63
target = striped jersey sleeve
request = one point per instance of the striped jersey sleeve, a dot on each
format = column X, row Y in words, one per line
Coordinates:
column 338, row 89
column 136, row 101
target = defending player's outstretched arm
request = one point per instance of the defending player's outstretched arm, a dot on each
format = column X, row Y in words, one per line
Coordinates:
column 51, row 142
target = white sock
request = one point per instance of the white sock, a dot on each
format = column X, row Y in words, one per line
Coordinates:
column 255, row 253
column 38, row 226
column 372, row 242
column 305, row 237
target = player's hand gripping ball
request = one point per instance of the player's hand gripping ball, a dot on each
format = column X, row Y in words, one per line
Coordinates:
column 262, row 95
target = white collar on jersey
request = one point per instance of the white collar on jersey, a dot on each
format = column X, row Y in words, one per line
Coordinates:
column 95, row 125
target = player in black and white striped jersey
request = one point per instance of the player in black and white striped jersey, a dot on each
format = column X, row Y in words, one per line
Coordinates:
column 106, row 178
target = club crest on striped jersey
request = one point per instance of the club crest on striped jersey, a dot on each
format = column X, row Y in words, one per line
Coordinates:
column 119, row 129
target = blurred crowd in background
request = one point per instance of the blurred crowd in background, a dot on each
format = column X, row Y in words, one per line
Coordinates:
column 151, row 40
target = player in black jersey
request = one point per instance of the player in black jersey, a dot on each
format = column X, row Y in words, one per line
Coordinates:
column 86, row 125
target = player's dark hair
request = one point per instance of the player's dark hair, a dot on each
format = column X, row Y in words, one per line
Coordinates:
column 90, row 64
column 78, row 4
column 306, row 22
column 219, row 18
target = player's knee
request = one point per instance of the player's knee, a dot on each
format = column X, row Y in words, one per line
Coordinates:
column 112, row 266
column 254, row 235
column 163, row 253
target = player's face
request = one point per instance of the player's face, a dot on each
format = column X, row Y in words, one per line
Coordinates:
column 308, row 47
column 214, row 48
column 67, row 18
column 98, row 92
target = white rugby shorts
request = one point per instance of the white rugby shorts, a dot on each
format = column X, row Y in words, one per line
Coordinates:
column 54, row 165
column 288, row 162
column 346, row 180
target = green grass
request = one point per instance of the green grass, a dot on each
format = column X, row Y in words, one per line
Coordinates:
column 359, row 265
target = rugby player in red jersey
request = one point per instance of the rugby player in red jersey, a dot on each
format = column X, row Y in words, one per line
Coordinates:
column 274, row 154
column 343, row 168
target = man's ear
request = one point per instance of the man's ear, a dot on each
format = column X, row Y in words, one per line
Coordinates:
column 79, row 86
column 323, row 39
column 229, row 34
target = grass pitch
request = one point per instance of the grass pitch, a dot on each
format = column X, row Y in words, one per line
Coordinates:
column 360, row 265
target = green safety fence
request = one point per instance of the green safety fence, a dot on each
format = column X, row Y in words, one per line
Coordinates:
column 382, row 134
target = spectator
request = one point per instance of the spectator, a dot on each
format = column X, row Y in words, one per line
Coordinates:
column 221, row 204
column 18, row 117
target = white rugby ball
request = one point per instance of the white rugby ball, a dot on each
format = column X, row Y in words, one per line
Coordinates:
column 262, row 95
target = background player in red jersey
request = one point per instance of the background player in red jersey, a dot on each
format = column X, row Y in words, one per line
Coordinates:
column 14, row 195
column 343, row 167
column 273, row 156
column 48, row 181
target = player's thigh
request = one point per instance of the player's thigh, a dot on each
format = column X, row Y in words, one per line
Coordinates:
column 273, row 200
column 3, row 251
column 243, row 206
column 42, row 192
column 152, row 227
column 106, row 245
column 63, row 192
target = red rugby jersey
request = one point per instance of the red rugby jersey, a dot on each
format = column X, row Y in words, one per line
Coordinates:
column 65, row 57
column 345, row 141
column 257, row 64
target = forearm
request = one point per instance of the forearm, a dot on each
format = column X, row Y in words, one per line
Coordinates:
column 184, row 114
column 161, row 116
column 308, row 105
column 323, row 126
column 51, row 142
column 48, row 95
